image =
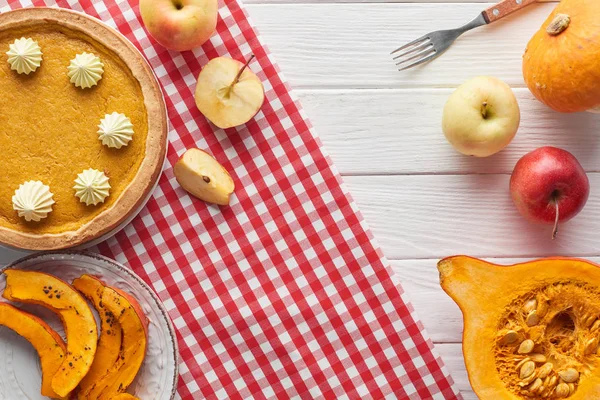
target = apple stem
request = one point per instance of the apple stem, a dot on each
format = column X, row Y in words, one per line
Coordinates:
column 239, row 75
column 555, row 230
column 484, row 109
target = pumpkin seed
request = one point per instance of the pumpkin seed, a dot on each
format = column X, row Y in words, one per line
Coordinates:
column 595, row 326
column 589, row 320
column 523, row 361
column 532, row 318
column 591, row 346
column 535, row 385
column 538, row 358
column 509, row 337
column 569, row 375
column 549, row 384
column 527, row 369
column 528, row 380
column 571, row 388
column 562, row 390
column 545, row 370
column 529, row 306
column 526, row 347
column 542, row 307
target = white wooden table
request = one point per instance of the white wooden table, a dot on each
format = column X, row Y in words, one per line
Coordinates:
column 383, row 130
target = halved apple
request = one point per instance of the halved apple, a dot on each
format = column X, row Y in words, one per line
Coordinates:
column 202, row 176
column 228, row 93
column 109, row 344
column 48, row 344
column 134, row 325
column 75, row 313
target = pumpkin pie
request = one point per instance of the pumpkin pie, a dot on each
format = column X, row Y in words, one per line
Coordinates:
column 50, row 123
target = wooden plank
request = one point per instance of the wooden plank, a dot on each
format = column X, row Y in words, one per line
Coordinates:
column 440, row 215
column 399, row 132
column 348, row 45
column 366, row 1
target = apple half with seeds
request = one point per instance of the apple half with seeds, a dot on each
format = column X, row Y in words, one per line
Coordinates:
column 203, row 177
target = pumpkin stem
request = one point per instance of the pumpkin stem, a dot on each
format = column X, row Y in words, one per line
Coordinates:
column 484, row 110
column 558, row 24
column 555, row 230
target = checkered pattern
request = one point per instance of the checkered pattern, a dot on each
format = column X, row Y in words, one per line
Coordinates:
column 283, row 294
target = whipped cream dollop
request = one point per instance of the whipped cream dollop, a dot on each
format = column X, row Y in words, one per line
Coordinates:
column 33, row 201
column 24, row 56
column 85, row 70
column 92, row 187
column 115, row 130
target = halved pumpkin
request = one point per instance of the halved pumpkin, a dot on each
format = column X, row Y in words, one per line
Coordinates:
column 109, row 344
column 48, row 344
column 134, row 324
column 530, row 330
column 75, row 313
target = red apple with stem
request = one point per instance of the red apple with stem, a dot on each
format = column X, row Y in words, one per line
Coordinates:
column 549, row 185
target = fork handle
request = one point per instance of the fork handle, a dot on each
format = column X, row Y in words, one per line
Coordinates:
column 504, row 8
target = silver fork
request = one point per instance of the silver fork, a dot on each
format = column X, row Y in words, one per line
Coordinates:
column 432, row 45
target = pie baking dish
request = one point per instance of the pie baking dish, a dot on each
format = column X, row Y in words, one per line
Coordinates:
column 49, row 128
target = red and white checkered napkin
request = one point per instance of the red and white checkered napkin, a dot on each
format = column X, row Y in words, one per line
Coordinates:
column 283, row 293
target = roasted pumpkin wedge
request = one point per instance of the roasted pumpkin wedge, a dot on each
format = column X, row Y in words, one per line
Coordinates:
column 134, row 324
column 109, row 344
column 48, row 344
column 531, row 330
column 124, row 396
column 75, row 313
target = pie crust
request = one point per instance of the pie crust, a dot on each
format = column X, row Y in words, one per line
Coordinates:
column 139, row 187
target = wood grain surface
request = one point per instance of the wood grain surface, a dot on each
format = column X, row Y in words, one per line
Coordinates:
column 383, row 130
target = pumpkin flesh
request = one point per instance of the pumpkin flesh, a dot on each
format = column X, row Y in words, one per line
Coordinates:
column 109, row 344
column 561, row 64
column 79, row 322
column 133, row 348
column 537, row 313
column 49, row 345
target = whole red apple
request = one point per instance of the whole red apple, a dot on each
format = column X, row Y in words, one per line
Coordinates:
column 549, row 185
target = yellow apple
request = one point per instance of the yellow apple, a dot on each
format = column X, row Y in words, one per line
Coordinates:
column 481, row 117
column 228, row 93
column 202, row 176
column 180, row 24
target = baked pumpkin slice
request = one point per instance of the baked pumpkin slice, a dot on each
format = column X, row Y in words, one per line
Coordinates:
column 49, row 345
column 75, row 313
column 530, row 330
column 109, row 344
column 134, row 330
column 124, row 396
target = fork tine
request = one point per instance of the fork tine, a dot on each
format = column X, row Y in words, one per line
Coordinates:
column 413, row 49
column 421, row 61
column 416, row 41
column 420, row 54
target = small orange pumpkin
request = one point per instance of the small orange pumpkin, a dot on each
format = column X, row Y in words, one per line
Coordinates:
column 561, row 65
